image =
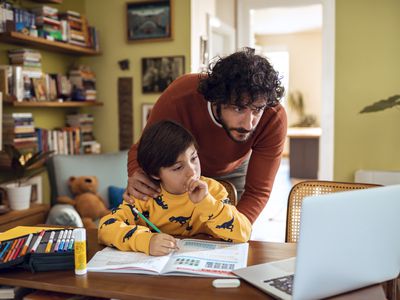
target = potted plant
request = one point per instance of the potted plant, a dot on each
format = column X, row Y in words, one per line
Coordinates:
column 390, row 102
column 22, row 170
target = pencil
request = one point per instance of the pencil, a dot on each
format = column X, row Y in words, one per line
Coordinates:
column 26, row 246
column 37, row 242
column 4, row 251
column 11, row 251
column 146, row 220
column 50, row 242
column 18, row 248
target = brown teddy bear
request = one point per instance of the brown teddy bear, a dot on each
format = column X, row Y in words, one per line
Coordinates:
column 87, row 202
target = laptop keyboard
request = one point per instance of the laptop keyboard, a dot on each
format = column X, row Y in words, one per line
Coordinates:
column 284, row 284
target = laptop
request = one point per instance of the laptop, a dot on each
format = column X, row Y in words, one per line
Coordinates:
column 348, row 240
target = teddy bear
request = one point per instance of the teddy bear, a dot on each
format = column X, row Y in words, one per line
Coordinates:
column 87, row 202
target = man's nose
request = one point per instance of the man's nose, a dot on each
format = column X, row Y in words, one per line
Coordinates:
column 248, row 121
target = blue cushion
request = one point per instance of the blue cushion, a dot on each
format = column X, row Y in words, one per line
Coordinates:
column 115, row 196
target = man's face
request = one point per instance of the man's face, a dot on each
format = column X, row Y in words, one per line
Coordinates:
column 240, row 122
column 174, row 179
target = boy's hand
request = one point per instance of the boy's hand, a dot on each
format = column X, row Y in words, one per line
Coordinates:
column 141, row 187
column 162, row 244
column 197, row 190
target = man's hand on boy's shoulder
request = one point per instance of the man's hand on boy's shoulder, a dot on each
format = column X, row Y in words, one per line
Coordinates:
column 197, row 189
column 140, row 186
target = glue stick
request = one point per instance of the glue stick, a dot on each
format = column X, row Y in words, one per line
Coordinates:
column 80, row 251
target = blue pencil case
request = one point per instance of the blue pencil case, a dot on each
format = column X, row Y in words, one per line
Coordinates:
column 34, row 257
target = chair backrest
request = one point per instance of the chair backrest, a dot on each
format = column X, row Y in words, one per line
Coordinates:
column 312, row 188
column 231, row 189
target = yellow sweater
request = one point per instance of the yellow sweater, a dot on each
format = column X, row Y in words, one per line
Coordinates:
column 174, row 215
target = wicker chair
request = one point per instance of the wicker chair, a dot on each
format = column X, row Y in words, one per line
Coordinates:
column 231, row 189
column 312, row 188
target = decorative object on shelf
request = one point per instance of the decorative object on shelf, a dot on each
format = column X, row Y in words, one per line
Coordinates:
column 159, row 72
column 37, row 192
column 149, row 20
column 19, row 192
column 390, row 102
column 296, row 103
column 124, row 64
column 146, row 110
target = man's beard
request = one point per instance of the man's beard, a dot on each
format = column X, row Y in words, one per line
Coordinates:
column 229, row 130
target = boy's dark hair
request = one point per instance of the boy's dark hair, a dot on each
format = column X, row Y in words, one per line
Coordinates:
column 160, row 145
column 241, row 73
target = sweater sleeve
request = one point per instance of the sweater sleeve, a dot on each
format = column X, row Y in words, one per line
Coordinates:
column 222, row 220
column 263, row 166
column 120, row 229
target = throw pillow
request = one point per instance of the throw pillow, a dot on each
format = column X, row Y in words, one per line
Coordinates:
column 115, row 196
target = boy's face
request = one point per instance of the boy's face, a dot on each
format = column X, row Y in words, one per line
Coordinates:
column 240, row 122
column 174, row 179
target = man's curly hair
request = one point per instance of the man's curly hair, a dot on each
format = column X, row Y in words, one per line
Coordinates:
column 241, row 73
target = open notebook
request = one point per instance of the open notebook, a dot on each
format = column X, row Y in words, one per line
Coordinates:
column 194, row 258
column 347, row 241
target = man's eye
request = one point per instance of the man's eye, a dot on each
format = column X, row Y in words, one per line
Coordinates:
column 238, row 109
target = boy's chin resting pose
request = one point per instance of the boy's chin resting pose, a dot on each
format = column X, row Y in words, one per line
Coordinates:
column 188, row 204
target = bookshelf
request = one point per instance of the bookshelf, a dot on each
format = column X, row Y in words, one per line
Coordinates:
column 67, row 104
column 18, row 38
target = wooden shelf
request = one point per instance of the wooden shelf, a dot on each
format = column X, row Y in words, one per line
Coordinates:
column 53, row 104
column 49, row 1
column 34, row 215
column 41, row 43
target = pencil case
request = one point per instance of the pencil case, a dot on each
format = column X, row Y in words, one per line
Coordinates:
column 40, row 260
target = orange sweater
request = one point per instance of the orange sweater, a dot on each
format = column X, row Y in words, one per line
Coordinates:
column 219, row 154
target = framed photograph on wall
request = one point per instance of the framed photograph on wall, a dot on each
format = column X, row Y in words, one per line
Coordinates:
column 149, row 20
column 146, row 110
column 159, row 72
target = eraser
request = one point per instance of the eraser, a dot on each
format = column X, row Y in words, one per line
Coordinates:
column 226, row 283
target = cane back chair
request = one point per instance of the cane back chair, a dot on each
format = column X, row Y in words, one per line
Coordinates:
column 312, row 188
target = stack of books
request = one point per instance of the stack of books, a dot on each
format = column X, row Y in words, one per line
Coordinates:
column 85, row 123
column 47, row 22
column 77, row 28
column 19, row 130
column 83, row 82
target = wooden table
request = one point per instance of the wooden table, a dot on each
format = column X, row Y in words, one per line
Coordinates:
column 36, row 214
column 129, row 286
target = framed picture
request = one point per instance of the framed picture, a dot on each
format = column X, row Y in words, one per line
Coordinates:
column 149, row 20
column 146, row 110
column 37, row 192
column 159, row 72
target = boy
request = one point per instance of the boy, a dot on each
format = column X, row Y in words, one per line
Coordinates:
column 188, row 204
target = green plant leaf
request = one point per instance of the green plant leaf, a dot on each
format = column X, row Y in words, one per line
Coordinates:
column 382, row 104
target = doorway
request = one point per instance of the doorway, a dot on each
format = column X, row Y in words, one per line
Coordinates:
column 270, row 226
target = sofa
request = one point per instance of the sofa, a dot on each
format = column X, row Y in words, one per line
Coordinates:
column 110, row 169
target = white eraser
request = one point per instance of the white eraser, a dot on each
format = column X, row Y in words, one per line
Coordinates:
column 226, row 283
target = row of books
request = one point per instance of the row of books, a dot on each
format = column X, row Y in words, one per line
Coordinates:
column 19, row 82
column 46, row 22
column 75, row 138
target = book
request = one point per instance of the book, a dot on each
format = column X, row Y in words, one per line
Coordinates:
column 194, row 258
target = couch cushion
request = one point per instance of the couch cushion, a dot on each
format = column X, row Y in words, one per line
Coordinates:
column 110, row 169
column 115, row 196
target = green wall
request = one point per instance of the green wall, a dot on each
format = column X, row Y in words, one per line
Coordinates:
column 366, row 70
column 110, row 19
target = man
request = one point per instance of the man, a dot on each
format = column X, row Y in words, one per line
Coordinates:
column 233, row 111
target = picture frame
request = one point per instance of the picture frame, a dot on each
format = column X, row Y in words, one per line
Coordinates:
column 159, row 72
column 149, row 20
column 37, row 191
column 146, row 110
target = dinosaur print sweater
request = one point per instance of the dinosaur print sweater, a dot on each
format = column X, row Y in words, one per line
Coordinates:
column 174, row 215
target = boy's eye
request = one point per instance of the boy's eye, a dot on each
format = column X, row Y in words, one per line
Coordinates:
column 177, row 168
column 238, row 109
column 194, row 158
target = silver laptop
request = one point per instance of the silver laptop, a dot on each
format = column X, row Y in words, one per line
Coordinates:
column 348, row 240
